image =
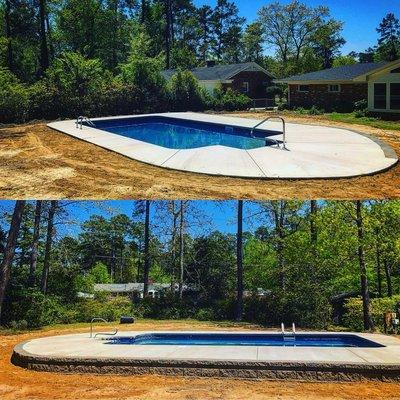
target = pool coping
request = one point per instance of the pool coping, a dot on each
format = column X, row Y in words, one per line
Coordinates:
column 217, row 368
column 248, row 160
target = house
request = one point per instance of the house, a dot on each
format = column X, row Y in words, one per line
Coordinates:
column 248, row 78
column 134, row 290
column 338, row 88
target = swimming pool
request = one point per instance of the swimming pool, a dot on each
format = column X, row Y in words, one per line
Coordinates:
column 223, row 145
column 183, row 134
column 226, row 339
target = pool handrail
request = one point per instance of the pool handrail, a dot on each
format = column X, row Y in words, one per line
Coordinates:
column 100, row 333
column 81, row 119
column 266, row 138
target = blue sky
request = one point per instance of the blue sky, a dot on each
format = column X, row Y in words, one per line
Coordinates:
column 360, row 17
column 215, row 215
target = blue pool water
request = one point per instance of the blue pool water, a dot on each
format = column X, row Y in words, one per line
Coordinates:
column 226, row 339
column 175, row 133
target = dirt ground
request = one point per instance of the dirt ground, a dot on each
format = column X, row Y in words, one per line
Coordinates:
column 37, row 162
column 21, row 384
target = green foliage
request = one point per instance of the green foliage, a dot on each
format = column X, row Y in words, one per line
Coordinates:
column 229, row 100
column 38, row 310
column 110, row 310
column 13, row 98
column 353, row 318
column 185, row 92
column 340, row 61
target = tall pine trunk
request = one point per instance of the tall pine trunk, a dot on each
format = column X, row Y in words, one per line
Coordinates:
column 7, row 21
column 35, row 244
column 146, row 270
column 173, row 244
column 167, row 34
column 9, row 251
column 44, row 51
column 49, row 243
column 388, row 274
column 181, row 247
column 363, row 270
column 239, row 263
column 279, row 228
column 378, row 262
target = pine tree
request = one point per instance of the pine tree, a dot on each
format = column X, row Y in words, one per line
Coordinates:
column 389, row 40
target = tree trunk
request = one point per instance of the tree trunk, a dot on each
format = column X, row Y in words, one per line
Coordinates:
column 181, row 248
column 363, row 270
column 279, row 222
column 35, row 244
column 49, row 242
column 146, row 271
column 388, row 275
column 9, row 251
column 168, row 34
column 378, row 262
column 143, row 13
column 239, row 263
column 10, row 57
column 173, row 249
column 44, row 51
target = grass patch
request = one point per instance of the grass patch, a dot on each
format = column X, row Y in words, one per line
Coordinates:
column 350, row 118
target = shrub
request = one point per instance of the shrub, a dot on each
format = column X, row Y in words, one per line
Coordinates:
column 361, row 105
column 315, row 111
column 185, row 93
column 230, row 100
column 13, row 98
column 353, row 317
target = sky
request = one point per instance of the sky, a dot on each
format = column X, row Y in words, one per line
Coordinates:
column 360, row 17
column 218, row 215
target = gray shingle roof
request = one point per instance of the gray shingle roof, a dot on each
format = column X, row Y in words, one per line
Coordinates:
column 346, row 72
column 216, row 73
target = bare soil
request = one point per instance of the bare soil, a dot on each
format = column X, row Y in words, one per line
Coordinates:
column 21, row 384
column 37, row 162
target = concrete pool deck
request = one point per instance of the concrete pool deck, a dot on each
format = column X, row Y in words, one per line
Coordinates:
column 312, row 151
column 79, row 353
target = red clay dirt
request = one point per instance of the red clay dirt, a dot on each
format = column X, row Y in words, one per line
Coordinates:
column 21, row 384
column 37, row 162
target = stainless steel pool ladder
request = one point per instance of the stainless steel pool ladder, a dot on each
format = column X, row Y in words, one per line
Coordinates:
column 289, row 335
column 101, row 333
column 269, row 139
column 81, row 119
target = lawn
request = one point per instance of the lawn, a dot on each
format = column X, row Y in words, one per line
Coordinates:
column 18, row 383
column 350, row 118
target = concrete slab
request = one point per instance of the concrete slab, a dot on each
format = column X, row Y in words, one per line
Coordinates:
column 312, row 151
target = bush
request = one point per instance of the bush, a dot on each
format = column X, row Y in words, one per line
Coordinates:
column 185, row 93
column 361, row 108
column 110, row 310
column 315, row 111
column 13, row 98
column 230, row 100
column 353, row 317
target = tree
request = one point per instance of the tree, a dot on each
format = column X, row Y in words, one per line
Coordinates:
column 181, row 247
column 327, row 41
column 49, row 243
column 44, row 50
column 363, row 271
column 227, row 28
column 35, row 244
column 253, row 42
column 204, row 32
column 389, row 39
column 9, row 251
column 239, row 262
column 339, row 61
column 147, row 261
column 290, row 29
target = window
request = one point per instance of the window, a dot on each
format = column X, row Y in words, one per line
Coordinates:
column 395, row 96
column 245, row 87
column 334, row 88
column 380, row 96
column 304, row 88
column 395, row 71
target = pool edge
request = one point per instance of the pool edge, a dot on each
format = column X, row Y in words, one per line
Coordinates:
column 263, row 370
